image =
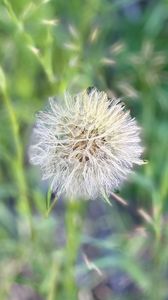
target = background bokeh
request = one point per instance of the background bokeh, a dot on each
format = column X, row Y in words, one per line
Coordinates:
column 84, row 250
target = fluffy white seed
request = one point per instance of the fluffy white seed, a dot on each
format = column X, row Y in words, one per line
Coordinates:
column 86, row 145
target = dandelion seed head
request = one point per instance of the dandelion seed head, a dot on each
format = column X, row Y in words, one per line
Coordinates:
column 86, row 145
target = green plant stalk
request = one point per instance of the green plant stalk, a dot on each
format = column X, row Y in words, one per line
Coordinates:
column 73, row 221
column 148, row 112
column 22, row 203
column 54, row 279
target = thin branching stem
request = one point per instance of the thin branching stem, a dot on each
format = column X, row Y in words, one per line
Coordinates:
column 23, row 202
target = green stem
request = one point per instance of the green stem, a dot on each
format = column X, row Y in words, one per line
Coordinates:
column 54, row 279
column 23, row 203
column 73, row 225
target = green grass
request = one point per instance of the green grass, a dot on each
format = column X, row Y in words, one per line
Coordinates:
column 46, row 48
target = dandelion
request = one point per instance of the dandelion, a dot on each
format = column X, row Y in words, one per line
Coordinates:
column 86, row 145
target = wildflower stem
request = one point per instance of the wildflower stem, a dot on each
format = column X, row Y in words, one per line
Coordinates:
column 55, row 269
column 73, row 226
column 23, row 203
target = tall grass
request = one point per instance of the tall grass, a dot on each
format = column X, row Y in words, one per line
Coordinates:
column 46, row 48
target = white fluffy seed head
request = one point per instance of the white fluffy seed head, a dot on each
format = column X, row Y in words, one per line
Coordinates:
column 86, row 145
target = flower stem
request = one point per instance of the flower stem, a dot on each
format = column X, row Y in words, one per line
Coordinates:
column 23, row 204
column 73, row 221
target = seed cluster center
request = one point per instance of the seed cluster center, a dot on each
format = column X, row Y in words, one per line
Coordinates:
column 86, row 145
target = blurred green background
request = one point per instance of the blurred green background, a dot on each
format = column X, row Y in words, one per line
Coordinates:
column 87, row 250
